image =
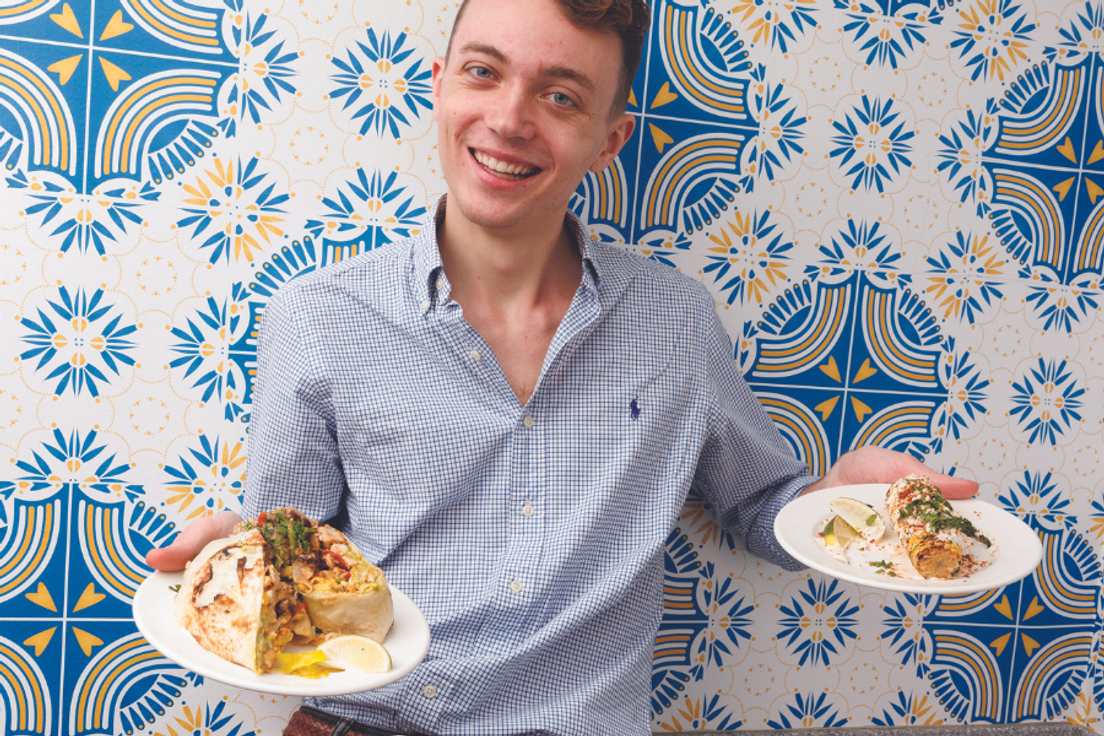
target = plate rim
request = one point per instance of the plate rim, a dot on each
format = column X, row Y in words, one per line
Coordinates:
column 802, row 513
column 157, row 633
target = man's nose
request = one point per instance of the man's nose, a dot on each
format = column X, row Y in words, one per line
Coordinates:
column 511, row 115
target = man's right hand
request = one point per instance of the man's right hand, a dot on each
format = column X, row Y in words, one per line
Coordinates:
column 194, row 538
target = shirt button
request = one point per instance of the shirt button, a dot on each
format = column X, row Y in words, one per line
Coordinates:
column 527, row 510
column 474, row 355
column 425, row 306
column 528, row 421
column 429, row 691
column 516, row 585
column 440, row 284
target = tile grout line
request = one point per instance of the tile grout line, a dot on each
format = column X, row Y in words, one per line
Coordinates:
column 65, row 623
column 1067, row 249
column 853, row 323
column 633, row 225
column 53, row 44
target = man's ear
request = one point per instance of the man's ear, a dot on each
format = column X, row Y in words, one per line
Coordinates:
column 439, row 64
column 619, row 134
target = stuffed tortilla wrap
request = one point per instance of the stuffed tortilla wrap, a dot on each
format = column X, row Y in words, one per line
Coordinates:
column 235, row 604
column 343, row 592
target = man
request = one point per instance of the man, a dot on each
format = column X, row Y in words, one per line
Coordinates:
column 506, row 415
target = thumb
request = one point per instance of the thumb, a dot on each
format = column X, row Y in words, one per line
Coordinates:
column 191, row 541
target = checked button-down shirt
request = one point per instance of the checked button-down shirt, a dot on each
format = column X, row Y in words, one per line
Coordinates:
column 530, row 536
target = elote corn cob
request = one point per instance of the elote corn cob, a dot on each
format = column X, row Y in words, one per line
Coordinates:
column 932, row 533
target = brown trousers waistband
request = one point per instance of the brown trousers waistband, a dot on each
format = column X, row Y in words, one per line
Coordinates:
column 309, row 721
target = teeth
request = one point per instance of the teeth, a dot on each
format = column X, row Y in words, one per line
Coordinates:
column 502, row 167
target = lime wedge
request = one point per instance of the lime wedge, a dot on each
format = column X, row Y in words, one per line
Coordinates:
column 357, row 652
column 864, row 519
column 838, row 533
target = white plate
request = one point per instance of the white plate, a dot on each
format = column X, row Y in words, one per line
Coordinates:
column 798, row 524
column 407, row 643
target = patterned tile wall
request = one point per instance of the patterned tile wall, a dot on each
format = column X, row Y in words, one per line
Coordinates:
column 899, row 207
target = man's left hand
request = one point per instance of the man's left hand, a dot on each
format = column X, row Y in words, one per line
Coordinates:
column 879, row 465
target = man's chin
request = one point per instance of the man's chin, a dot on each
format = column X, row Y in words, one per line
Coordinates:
column 489, row 217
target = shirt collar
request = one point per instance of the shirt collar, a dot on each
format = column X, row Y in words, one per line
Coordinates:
column 426, row 256
column 586, row 249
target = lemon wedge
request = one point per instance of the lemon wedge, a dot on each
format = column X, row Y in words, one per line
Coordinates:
column 838, row 533
column 864, row 519
column 357, row 652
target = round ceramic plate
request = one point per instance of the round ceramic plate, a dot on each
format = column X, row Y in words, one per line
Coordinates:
column 407, row 643
column 799, row 524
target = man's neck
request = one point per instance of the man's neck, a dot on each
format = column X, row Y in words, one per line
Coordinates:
column 505, row 269
column 514, row 287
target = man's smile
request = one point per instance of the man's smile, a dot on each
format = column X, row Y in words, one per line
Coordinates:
column 503, row 168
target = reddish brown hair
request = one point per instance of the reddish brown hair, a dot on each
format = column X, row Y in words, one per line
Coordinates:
column 627, row 19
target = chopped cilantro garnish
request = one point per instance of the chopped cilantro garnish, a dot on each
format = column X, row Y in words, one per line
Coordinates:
column 936, row 512
column 288, row 536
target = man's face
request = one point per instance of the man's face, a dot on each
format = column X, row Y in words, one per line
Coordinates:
column 524, row 110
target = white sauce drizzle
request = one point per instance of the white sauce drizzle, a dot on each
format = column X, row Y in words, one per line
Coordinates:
column 887, row 556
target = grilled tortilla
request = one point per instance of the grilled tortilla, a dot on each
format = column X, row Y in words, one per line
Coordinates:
column 235, row 604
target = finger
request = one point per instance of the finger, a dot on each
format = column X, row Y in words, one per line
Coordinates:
column 950, row 486
column 953, row 487
column 170, row 559
column 191, row 540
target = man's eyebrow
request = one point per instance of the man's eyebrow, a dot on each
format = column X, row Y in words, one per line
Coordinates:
column 554, row 72
column 484, row 48
column 566, row 72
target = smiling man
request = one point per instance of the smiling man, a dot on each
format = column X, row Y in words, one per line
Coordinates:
column 506, row 415
column 526, row 104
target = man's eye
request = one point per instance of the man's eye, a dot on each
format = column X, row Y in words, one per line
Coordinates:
column 562, row 99
column 481, row 72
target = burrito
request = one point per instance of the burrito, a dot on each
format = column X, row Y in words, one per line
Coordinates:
column 235, row 604
column 279, row 579
column 932, row 533
column 343, row 592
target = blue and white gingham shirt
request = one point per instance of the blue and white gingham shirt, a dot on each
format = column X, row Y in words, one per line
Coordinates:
column 531, row 537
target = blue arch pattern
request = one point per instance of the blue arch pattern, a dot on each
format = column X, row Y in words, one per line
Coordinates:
column 998, row 657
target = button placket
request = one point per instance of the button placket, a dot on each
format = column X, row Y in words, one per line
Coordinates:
column 524, row 534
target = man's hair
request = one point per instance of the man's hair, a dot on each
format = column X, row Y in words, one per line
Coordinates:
column 627, row 19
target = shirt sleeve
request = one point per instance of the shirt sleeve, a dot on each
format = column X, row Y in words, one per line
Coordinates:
column 746, row 470
column 293, row 455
